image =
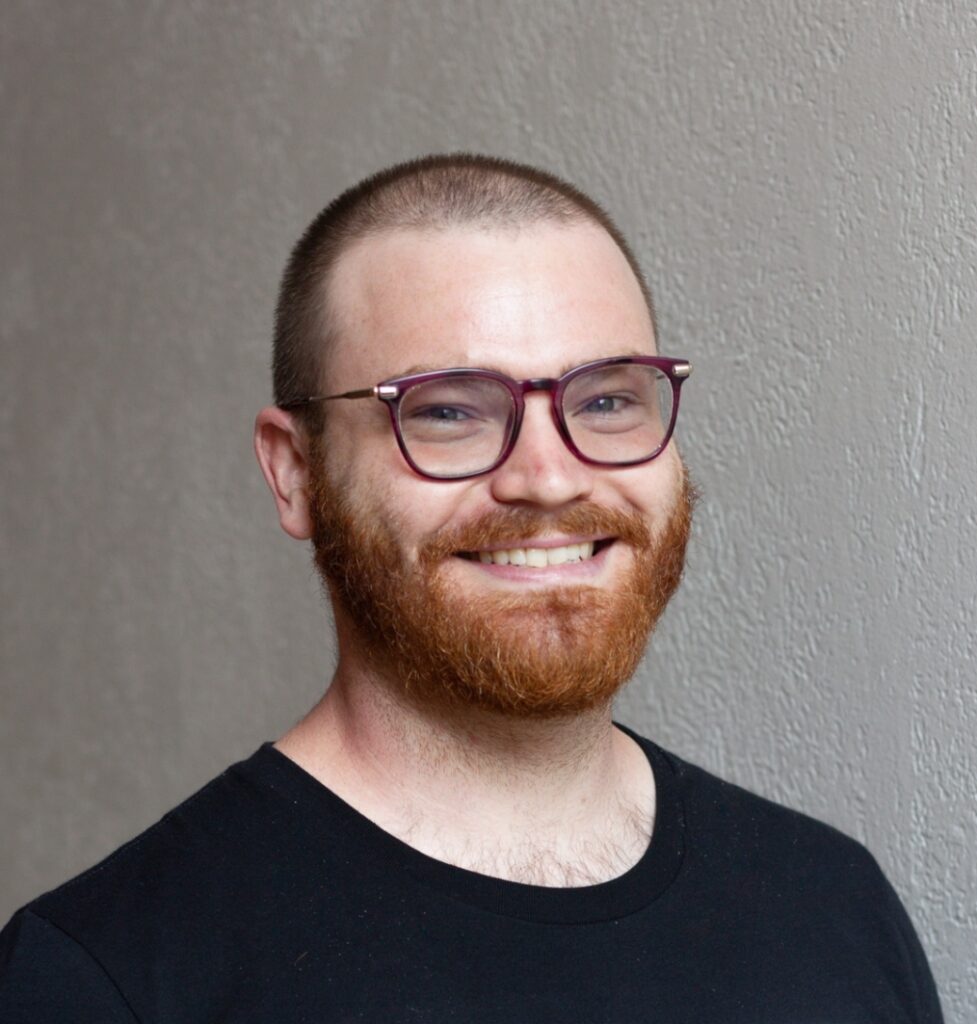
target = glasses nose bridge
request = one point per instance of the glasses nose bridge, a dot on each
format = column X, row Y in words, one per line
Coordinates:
column 538, row 384
column 527, row 387
column 550, row 384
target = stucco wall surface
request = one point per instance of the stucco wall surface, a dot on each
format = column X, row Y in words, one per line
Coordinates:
column 800, row 180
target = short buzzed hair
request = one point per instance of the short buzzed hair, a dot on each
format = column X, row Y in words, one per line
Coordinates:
column 432, row 192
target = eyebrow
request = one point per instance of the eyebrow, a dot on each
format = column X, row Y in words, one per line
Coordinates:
column 495, row 368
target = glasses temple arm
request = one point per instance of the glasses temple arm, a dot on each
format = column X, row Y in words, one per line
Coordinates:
column 296, row 402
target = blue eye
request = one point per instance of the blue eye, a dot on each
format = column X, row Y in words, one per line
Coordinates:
column 601, row 405
column 604, row 404
column 446, row 413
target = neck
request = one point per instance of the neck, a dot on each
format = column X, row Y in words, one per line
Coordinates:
column 534, row 800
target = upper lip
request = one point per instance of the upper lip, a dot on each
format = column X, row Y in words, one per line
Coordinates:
column 541, row 542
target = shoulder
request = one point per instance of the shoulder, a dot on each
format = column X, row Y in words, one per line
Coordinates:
column 117, row 928
column 748, row 827
column 192, row 841
column 814, row 899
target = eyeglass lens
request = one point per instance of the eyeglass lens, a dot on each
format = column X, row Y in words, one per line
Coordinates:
column 456, row 426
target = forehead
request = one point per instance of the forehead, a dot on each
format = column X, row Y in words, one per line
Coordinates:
column 532, row 301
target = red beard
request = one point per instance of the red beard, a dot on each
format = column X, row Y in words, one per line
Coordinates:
column 544, row 654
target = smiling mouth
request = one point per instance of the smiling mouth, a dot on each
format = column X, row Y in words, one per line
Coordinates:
column 539, row 558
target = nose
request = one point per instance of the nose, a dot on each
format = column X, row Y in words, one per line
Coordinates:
column 541, row 470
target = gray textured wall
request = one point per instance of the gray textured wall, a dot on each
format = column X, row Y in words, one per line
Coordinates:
column 800, row 180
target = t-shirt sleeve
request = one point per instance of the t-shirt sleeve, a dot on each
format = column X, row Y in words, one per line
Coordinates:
column 915, row 976
column 47, row 977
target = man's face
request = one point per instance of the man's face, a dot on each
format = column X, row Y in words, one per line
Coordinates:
column 400, row 552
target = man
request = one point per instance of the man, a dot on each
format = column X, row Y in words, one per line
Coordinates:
column 473, row 426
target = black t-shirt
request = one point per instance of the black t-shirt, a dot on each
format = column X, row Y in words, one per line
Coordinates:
column 265, row 897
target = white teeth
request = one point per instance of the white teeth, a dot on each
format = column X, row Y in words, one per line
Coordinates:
column 539, row 557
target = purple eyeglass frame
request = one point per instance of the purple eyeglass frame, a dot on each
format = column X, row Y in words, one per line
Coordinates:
column 392, row 391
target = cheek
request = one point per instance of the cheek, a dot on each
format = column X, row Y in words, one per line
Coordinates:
column 422, row 509
column 408, row 509
column 367, row 466
column 654, row 489
column 360, row 457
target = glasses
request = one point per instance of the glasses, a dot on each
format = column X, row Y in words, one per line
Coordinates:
column 460, row 423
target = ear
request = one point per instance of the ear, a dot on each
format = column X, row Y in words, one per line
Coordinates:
column 281, row 446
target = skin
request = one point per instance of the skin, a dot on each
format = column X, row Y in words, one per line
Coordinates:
column 565, row 801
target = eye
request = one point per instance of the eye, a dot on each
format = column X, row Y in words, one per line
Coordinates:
column 603, row 405
column 445, row 413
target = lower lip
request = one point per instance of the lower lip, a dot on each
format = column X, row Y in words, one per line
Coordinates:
column 568, row 572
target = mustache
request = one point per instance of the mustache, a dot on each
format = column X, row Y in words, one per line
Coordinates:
column 498, row 526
